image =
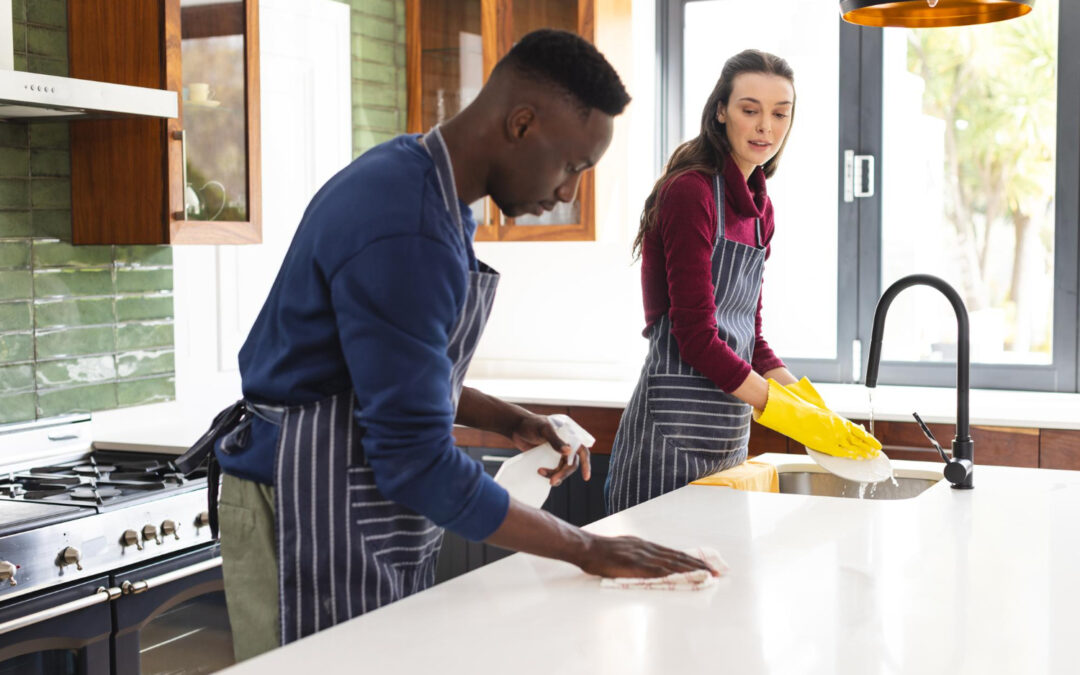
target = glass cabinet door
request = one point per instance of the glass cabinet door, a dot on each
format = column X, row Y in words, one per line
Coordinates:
column 214, row 111
column 452, row 46
column 451, row 58
column 451, row 66
column 530, row 15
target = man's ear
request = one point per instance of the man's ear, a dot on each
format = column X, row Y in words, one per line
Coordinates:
column 520, row 122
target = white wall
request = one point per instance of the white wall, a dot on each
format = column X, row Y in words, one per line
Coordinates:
column 573, row 309
column 306, row 137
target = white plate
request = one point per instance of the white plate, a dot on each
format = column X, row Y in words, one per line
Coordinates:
column 859, row 470
column 518, row 475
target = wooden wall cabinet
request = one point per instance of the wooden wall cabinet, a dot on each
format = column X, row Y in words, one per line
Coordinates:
column 191, row 180
column 452, row 46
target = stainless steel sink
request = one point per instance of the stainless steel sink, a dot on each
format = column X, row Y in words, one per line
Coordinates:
column 828, row 485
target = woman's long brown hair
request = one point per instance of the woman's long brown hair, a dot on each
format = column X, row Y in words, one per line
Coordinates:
column 709, row 150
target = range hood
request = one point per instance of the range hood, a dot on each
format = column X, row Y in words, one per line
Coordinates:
column 29, row 96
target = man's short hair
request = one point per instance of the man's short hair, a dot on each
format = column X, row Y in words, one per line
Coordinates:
column 572, row 64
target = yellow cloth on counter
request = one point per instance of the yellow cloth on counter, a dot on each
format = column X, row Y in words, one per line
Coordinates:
column 750, row 475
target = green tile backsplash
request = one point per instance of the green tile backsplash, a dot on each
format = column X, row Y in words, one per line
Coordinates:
column 82, row 328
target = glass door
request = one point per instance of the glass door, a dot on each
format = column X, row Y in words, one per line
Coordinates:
column 70, row 643
column 215, row 117
column 172, row 618
column 530, row 15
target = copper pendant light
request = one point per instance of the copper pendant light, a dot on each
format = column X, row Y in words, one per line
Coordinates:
column 930, row 14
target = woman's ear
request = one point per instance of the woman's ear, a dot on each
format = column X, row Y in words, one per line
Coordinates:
column 721, row 117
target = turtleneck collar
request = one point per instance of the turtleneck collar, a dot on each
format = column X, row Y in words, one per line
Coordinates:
column 747, row 197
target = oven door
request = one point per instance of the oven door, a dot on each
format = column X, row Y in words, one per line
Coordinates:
column 59, row 632
column 172, row 617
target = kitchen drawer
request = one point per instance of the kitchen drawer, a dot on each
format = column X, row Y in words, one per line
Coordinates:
column 1059, row 449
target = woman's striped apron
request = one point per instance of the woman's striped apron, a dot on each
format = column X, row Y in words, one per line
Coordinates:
column 679, row 426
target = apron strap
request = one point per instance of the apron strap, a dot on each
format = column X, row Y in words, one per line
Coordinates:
column 224, row 422
column 757, row 232
column 436, row 147
column 718, row 194
column 203, row 451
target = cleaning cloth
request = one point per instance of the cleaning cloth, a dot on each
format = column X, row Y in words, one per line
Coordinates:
column 750, row 475
column 681, row 581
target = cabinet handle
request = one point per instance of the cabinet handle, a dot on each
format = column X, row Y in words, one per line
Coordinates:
column 181, row 135
column 494, row 459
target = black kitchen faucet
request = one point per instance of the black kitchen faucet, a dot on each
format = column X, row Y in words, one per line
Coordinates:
column 959, row 468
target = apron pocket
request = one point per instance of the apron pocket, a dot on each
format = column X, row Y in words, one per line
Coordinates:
column 695, row 415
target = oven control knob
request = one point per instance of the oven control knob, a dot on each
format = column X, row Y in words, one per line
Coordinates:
column 7, row 572
column 168, row 527
column 203, row 519
column 149, row 533
column 131, row 538
column 71, row 556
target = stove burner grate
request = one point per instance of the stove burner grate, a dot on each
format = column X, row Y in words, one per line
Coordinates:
column 95, row 493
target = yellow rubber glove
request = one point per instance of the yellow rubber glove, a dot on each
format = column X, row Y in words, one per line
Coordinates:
column 815, row 427
column 804, row 390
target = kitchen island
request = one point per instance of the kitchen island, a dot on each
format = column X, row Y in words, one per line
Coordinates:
column 979, row 581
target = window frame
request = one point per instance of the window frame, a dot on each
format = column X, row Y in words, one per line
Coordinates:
column 859, row 225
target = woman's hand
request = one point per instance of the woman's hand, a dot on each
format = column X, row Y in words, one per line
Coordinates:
column 532, row 430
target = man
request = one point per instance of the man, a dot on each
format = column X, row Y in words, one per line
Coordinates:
column 340, row 465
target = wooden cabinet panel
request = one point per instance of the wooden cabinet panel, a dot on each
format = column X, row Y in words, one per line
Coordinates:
column 1001, row 446
column 195, row 179
column 1060, row 449
column 465, row 436
column 602, row 423
column 763, row 439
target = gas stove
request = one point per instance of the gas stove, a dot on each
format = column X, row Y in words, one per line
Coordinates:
column 103, row 479
column 69, row 511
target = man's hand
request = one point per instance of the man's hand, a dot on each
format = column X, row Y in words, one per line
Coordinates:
column 532, row 430
column 615, row 557
column 538, row 532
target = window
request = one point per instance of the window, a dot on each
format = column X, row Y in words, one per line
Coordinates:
column 975, row 138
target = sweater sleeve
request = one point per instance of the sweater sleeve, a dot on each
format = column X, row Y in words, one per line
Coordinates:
column 396, row 303
column 687, row 228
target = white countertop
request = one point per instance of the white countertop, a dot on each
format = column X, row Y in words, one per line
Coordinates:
column 979, row 581
column 934, row 404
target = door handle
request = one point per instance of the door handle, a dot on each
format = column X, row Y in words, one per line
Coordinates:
column 136, row 587
column 181, row 135
column 858, row 172
column 101, row 595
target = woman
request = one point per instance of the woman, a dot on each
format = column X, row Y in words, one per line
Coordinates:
column 704, row 237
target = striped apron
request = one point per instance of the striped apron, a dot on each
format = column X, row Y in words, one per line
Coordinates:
column 679, row 426
column 342, row 547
